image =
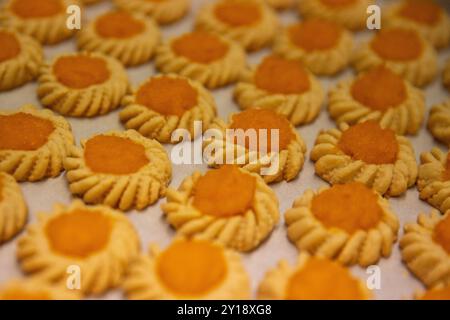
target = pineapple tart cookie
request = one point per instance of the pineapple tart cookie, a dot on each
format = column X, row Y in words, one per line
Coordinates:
column 119, row 169
column 347, row 222
column 379, row 95
column 33, row 143
column 44, row 20
column 296, row 94
column 434, row 179
column 348, row 13
column 424, row 16
column 99, row 240
column 311, row 278
column 439, row 293
column 323, row 46
column 250, row 145
column 13, row 210
column 425, row 248
column 402, row 50
column 251, row 23
column 20, row 59
column 280, row 4
column 366, row 153
column 187, row 269
column 165, row 103
column 446, row 75
column 162, row 11
column 439, row 122
column 82, row 84
column 35, row 289
column 211, row 59
column 228, row 205
column 130, row 38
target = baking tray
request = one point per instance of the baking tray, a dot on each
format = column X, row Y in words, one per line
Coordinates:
column 396, row 281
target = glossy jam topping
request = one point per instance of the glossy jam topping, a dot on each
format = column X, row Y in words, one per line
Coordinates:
column 224, row 192
column 421, row 11
column 79, row 233
column 114, row 155
column 332, row 207
column 10, row 46
column 167, row 96
column 397, row 44
column 237, row 13
column 278, row 75
column 379, row 89
column 315, row 34
column 200, row 47
column 321, row 279
column 442, row 233
column 37, row 8
column 262, row 121
column 191, row 268
column 23, row 131
column 370, row 143
column 119, row 25
column 79, row 72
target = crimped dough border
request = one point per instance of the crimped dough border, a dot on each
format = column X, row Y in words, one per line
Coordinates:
column 241, row 232
column 439, row 122
column 363, row 247
column 132, row 51
column 13, row 209
column 87, row 102
column 291, row 159
column 321, row 62
column 273, row 285
column 25, row 66
column 45, row 162
column 252, row 37
column 100, row 271
column 299, row 109
column 334, row 166
column 405, row 118
column 55, row 292
column 213, row 75
column 142, row 282
column 152, row 124
column 426, row 259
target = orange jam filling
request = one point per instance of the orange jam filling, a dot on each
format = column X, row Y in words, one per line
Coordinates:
column 446, row 174
column 79, row 233
column 332, row 207
column 321, row 279
column 37, row 8
column 200, row 47
column 379, row 89
column 114, row 155
column 79, row 72
column 437, row 294
column 338, row 3
column 262, row 119
column 442, row 233
column 10, row 46
column 120, row 25
column 23, row 294
column 23, row 131
column 237, row 13
column 167, row 96
column 424, row 12
column 370, row 143
column 191, row 268
column 278, row 75
column 224, row 192
column 397, row 44
column 315, row 34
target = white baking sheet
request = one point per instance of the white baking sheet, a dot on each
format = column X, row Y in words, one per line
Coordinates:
column 396, row 281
